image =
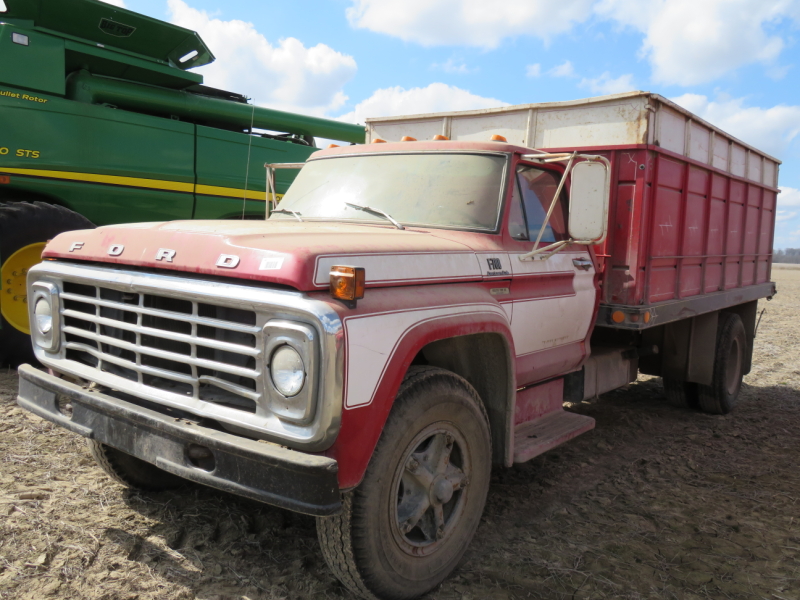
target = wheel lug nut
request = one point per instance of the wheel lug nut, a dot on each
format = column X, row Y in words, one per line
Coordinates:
column 440, row 533
column 448, row 439
column 412, row 465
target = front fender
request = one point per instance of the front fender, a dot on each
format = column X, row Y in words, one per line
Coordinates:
column 380, row 347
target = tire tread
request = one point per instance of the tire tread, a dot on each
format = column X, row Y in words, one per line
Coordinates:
column 338, row 537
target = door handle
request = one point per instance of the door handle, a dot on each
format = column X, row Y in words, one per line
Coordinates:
column 582, row 263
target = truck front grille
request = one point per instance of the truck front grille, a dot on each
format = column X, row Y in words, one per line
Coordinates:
column 203, row 351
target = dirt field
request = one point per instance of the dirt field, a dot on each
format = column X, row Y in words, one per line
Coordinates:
column 656, row 502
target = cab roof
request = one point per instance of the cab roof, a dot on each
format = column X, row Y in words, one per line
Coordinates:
column 424, row 146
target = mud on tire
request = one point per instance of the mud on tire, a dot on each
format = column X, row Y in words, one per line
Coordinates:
column 404, row 529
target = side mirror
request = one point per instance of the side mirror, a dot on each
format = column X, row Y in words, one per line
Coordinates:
column 588, row 202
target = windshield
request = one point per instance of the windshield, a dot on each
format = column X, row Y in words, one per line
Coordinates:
column 460, row 191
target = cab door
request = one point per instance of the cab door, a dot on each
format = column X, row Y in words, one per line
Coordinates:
column 553, row 299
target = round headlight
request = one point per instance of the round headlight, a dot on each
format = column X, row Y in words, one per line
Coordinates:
column 287, row 370
column 44, row 316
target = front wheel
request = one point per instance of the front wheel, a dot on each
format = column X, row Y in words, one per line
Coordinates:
column 404, row 529
column 130, row 471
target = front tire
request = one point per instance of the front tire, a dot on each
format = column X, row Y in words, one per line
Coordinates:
column 720, row 397
column 405, row 528
column 25, row 228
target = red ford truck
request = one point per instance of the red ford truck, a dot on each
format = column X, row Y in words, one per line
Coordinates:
column 413, row 312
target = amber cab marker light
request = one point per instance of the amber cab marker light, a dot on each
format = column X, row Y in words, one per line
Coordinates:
column 440, row 138
column 618, row 316
column 331, row 146
column 378, row 141
column 498, row 138
column 408, row 138
column 347, row 283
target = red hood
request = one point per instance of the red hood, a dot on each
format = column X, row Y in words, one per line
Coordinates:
column 284, row 252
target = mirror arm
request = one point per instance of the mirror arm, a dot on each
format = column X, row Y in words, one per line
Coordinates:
column 555, row 198
column 546, row 252
column 271, row 189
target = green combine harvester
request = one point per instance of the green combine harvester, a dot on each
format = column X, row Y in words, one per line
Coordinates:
column 102, row 122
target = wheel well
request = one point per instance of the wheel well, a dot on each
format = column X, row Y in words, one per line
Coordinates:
column 484, row 360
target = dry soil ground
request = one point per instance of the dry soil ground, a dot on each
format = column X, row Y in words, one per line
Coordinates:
column 656, row 502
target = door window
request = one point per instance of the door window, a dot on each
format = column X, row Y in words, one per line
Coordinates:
column 533, row 192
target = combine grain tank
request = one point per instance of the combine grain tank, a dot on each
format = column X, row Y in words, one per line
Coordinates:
column 102, row 121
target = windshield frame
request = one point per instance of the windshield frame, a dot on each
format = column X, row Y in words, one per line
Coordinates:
column 501, row 195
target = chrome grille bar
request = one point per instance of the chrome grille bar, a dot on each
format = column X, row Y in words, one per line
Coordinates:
column 176, row 316
column 179, row 358
column 179, row 346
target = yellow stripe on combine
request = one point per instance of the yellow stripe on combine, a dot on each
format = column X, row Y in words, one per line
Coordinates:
column 153, row 184
column 213, row 190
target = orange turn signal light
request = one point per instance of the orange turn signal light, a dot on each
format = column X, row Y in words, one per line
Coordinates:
column 618, row 316
column 5, row 179
column 498, row 138
column 331, row 146
column 438, row 138
column 408, row 138
column 347, row 283
column 378, row 141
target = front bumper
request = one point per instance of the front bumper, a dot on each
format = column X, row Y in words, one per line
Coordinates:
column 269, row 473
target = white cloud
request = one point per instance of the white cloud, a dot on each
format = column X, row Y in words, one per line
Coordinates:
column 782, row 215
column 605, row 84
column 120, row 3
column 287, row 76
column 771, row 130
column 533, row 70
column 689, row 42
column 788, row 197
column 437, row 97
column 565, row 69
column 467, row 22
column 454, row 67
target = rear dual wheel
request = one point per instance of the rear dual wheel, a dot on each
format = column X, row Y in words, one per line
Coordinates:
column 721, row 396
column 405, row 528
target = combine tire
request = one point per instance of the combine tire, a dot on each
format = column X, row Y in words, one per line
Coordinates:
column 720, row 397
column 25, row 228
column 130, row 471
column 405, row 528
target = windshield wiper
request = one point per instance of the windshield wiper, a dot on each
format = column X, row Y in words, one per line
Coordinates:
column 376, row 211
column 286, row 211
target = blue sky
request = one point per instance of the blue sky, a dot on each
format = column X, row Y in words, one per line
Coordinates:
column 736, row 63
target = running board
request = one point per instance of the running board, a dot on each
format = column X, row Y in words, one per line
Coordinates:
column 538, row 436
